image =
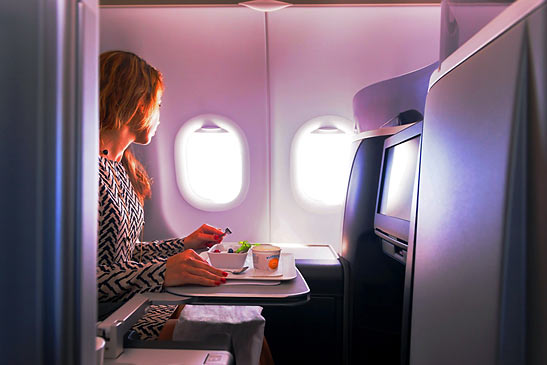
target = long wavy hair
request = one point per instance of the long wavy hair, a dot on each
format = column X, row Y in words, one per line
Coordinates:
column 129, row 89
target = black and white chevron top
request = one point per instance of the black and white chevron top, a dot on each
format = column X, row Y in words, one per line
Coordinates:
column 126, row 266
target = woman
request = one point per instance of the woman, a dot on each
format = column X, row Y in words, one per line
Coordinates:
column 130, row 99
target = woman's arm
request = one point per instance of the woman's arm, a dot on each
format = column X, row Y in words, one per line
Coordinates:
column 150, row 251
column 203, row 237
column 120, row 281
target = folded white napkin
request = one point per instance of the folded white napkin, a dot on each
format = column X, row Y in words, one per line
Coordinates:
column 245, row 325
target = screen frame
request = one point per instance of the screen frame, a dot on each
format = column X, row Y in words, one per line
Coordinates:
column 392, row 229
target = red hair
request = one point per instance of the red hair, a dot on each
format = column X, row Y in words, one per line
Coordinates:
column 129, row 88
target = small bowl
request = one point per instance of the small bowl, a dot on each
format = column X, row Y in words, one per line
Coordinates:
column 226, row 260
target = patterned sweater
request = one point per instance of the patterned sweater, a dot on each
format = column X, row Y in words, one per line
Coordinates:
column 126, row 266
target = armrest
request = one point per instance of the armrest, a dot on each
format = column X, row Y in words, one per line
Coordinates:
column 114, row 327
column 118, row 323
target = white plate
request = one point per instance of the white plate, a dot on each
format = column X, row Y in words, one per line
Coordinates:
column 285, row 271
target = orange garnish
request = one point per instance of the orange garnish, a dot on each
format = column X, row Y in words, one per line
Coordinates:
column 273, row 263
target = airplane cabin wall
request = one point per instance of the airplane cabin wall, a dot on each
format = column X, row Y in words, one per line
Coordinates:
column 319, row 59
column 214, row 60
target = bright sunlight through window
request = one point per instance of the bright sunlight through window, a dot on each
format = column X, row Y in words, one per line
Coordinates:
column 321, row 160
column 211, row 157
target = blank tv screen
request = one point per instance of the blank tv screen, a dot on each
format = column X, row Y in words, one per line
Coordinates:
column 398, row 182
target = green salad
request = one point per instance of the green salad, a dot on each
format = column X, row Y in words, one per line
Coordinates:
column 245, row 246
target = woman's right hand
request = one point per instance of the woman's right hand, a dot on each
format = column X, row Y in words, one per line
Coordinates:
column 188, row 267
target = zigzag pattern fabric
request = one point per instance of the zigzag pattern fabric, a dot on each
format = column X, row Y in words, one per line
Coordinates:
column 147, row 327
column 126, row 266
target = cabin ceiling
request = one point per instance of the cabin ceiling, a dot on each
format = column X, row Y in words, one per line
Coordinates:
column 295, row 2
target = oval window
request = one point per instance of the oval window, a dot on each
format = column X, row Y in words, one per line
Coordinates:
column 212, row 163
column 320, row 162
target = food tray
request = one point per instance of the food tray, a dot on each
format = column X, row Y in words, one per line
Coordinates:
column 243, row 294
column 285, row 271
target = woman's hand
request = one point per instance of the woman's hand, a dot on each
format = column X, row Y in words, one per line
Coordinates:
column 188, row 267
column 203, row 237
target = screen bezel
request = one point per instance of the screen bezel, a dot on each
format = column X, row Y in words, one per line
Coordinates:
column 393, row 229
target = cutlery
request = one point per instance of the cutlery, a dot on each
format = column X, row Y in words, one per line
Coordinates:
column 238, row 271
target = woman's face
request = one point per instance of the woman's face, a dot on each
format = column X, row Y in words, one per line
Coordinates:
column 145, row 136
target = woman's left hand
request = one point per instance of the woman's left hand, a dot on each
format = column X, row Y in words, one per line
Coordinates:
column 204, row 237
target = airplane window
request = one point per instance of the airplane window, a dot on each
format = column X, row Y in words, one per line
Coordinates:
column 206, row 144
column 321, row 161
